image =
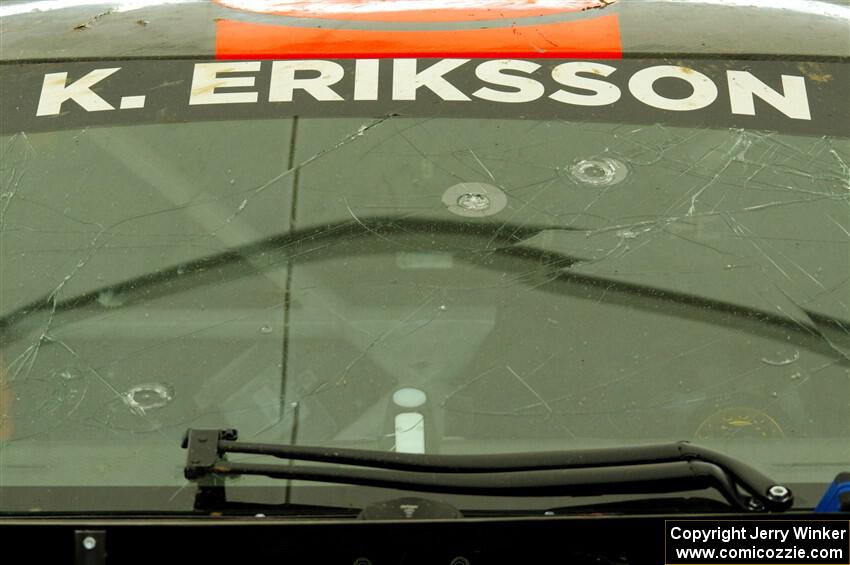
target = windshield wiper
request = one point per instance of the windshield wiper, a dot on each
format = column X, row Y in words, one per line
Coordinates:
column 650, row 469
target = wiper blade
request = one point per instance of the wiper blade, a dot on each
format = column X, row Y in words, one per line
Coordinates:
column 650, row 469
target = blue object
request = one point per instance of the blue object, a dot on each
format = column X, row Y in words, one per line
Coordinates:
column 837, row 496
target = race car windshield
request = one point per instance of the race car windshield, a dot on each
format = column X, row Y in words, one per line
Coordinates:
column 486, row 267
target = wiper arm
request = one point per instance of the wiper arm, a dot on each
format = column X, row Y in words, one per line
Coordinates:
column 662, row 468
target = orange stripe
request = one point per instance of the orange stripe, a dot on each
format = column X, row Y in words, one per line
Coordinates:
column 597, row 38
column 376, row 9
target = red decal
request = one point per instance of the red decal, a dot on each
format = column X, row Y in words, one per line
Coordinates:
column 596, row 38
column 413, row 10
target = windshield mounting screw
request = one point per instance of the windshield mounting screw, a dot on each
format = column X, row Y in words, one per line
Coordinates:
column 753, row 505
column 778, row 493
column 473, row 201
column 89, row 543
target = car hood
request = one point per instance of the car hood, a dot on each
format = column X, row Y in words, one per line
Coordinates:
column 151, row 28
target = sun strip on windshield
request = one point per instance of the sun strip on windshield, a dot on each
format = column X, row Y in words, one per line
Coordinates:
column 808, row 98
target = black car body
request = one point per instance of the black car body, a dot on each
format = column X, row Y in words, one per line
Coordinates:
column 463, row 230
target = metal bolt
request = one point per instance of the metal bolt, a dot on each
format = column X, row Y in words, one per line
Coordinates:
column 89, row 543
column 778, row 492
column 754, row 505
column 473, row 201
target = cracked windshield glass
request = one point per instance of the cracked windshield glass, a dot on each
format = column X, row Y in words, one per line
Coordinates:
column 458, row 257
